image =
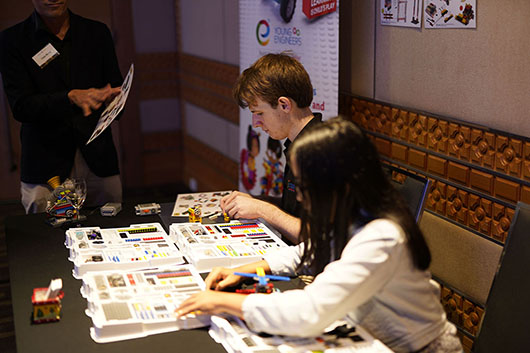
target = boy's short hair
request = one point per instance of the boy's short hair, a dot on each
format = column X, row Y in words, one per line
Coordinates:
column 271, row 77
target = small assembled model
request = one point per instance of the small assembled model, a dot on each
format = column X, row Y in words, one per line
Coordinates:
column 145, row 209
column 65, row 201
column 47, row 302
column 195, row 214
column 263, row 285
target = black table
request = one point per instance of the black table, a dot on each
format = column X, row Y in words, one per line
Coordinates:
column 37, row 254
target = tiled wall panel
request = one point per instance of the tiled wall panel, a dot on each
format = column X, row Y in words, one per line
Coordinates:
column 470, row 167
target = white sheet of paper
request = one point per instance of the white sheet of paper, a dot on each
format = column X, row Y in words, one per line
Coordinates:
column 402, row 13
column 115, row 107
column 210, row 203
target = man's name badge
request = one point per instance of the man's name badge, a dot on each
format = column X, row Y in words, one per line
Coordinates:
column 45, row 55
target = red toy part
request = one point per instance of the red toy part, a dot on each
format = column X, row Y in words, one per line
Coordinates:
column 268, row 289
column 46, row 310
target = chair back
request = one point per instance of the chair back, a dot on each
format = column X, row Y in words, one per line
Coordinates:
column 413, row 188
column 504, row 326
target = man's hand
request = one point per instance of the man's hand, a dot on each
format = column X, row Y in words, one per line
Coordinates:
column 241, row 205
column 91, row 99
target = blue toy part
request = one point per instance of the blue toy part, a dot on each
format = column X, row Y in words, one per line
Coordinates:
column 262, row 278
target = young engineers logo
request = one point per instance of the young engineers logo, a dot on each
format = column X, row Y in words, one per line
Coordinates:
column 262, row 32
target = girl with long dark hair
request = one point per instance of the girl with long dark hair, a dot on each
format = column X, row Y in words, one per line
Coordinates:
column 360, row 241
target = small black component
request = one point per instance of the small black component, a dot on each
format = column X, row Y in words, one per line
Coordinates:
column 94, row 235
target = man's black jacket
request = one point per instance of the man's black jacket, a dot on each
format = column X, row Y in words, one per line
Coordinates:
column 52, row 128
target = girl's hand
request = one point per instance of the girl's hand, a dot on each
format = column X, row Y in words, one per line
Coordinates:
column 212, row 302
column 220, row 278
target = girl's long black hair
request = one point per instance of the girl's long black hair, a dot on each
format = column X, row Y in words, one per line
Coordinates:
column 342, row 184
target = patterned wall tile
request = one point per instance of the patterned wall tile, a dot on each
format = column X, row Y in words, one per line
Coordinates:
column 508, row 156
column 400, row 124
column 458, row 172
column 481, row 181
column 467, row 343
column 459, row 141
column 502, row 218
column 526, row 161
column 399, row 152
column 471, row 315
column 480, row 214
column 507, row 190
column 525, row 194
column 438, row 135
column 437, row 197
column 418, row 159
column 457, row 205
column 418, row 131
column 436, row 165
column 384, row 147
column 483, row 148
column 461, row 311
column 468, row 166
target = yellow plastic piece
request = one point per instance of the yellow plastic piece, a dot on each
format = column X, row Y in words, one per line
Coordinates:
column 260, row 271
column 54, row 182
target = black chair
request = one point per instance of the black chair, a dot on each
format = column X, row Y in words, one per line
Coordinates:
column 413, row 188
column 504, row 326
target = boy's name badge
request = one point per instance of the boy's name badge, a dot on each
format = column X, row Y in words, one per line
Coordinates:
column 45, row 55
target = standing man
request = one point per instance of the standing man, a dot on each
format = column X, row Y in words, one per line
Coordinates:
column 59, row 70
column 278, row 91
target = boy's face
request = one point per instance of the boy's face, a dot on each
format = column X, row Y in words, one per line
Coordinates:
column 273, row 121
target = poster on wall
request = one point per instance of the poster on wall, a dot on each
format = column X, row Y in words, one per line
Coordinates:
column 309, row 30
column 402, row 13
column 450, row 14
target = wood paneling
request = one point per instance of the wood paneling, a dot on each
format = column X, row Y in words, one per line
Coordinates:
column 212, row 170
column 157, row 75
column 163, row 161
column 208, row 84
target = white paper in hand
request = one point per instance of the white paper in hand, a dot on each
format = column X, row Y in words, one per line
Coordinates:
column 115, row 107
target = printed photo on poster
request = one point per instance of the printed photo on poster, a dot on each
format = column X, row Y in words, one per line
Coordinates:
column 402, row 13
column 450, row 14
